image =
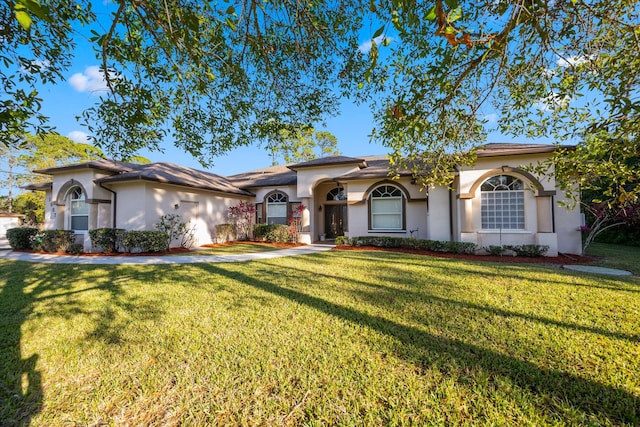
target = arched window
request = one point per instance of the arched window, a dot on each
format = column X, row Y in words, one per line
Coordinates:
column 386, row 204
column 337, row 194
column 78, row 210
column 502, row 199
column 277, row 208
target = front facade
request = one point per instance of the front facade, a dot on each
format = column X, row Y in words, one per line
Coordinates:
column 495, row 202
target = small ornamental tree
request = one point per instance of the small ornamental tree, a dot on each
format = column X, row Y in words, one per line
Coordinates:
column 603, row 216
column 295, row 223
column 241, row 216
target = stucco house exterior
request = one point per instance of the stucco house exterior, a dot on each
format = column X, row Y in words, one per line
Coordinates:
column 494, row 202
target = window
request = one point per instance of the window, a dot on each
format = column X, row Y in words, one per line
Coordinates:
column 277, row 208
column 78, row 210
column 502, row 198
column 386, row 204
column 337, row 194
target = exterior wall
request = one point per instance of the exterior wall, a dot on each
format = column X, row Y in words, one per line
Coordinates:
column 308, row 178
column 7, row 221
column 546, row 223
column 438, row 214
column 358, row 210
column 140, row 206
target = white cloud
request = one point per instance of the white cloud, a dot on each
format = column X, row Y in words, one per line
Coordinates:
column 78, row 136
column 491, row 118
column 365, row 47
column 572, row 61
column 92, row 80
column 552, row 102
column 37, row 65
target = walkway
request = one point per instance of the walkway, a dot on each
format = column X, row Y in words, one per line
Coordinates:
column 153, row 260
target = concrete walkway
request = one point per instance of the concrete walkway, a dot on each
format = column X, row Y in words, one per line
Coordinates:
column 153, row 260
column 597, row 270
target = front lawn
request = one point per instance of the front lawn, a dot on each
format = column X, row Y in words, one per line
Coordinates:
column 336, row 338
column 616, row 256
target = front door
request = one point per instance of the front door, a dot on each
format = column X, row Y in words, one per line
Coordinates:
column 335, row 220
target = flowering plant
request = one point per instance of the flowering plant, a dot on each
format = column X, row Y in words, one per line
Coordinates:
column 241, row 215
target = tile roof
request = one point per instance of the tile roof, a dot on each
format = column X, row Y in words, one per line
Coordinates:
column 169, row 173
column 107, row 165
column 375, row 167
column 496, row 149
column 266, row 177
column 328, row 161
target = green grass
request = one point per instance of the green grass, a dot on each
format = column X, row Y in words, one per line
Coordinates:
column 336, row 338
column 616, row 256
column 236, row 248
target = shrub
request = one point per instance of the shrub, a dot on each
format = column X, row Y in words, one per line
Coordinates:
column 411, row 243
column 174, row 229
column 278, row 233
column 461, row 247
column 52, row 240
column 145, row 241
column 75, row 249
column 495, row 250
column 108, row 240
column 225, row 232
column 534, row 251
column 20, row 237
column 241, row 215
column 260, row 231
column 342, row 240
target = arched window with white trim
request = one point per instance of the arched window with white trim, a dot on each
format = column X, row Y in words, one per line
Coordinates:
column 277, row 208
column 502, row 201
column 386, row 208
column 78, row 210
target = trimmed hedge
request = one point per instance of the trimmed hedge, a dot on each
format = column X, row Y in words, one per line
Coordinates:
column 53, row 240
column 107, row 240
column 20, row 238
column 533, row 251
column 225, row 232
column 279, row 233
column 144, row 241
column 411, row 243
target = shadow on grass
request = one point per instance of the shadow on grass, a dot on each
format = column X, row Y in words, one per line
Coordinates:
column 590, row 397
column 20, row 382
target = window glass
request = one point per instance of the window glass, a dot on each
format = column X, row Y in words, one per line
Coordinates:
column 502, row 201
column 386, row 208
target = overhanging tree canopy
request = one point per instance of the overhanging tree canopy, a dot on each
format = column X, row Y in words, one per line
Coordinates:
column 215, row 75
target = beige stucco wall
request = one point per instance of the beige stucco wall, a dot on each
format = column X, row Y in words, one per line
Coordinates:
column 416, row 210
column 308, row 178
column 566, row 237
column 140, row 206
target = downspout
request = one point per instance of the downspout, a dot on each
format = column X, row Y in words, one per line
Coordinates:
column 115, row 204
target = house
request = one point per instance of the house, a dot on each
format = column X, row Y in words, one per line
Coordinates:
column 7, row 221
column 495, row 202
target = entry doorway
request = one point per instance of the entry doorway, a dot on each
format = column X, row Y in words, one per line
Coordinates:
column 335, row 220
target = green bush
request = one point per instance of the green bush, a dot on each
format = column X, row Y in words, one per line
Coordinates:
column 52, row 240
column 144, row 241
column 342, row 240
column 278, row 233
column 260, row 231
column 20, row 237
column 75, row 249
column 533, row 251
column 108, row 240
column 416, row 244
column 225, row 232
column 495, row 250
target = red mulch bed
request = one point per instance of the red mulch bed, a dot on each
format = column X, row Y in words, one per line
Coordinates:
column 560, row 259
column 244, row 242
column 172, row 251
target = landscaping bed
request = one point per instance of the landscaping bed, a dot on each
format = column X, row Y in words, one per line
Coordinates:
column 560, row 259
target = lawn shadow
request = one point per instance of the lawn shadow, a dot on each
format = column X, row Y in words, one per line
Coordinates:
column 420, row 348
column 21, row 392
